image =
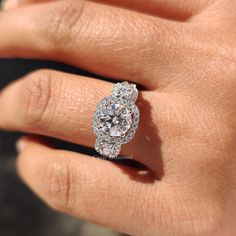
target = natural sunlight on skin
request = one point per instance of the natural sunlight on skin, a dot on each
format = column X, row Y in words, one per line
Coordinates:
column 182, row 56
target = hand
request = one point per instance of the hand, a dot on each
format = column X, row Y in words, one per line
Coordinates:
column 183, row 53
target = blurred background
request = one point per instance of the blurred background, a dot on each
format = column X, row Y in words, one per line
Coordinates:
column 21, row 212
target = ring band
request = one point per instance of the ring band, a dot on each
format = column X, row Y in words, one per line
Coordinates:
column 116, row 120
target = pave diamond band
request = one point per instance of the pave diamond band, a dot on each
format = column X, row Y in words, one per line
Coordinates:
column 116, row 119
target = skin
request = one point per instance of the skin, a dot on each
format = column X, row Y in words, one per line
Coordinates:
column 183, row 54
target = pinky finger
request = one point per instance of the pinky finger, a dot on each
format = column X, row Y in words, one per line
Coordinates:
column 99, row 191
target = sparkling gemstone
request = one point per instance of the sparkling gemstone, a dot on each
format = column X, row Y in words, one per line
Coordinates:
column 115, row 119
column 125, row 91
column 107, row 149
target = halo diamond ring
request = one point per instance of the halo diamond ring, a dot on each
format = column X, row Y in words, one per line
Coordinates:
column 116, row 120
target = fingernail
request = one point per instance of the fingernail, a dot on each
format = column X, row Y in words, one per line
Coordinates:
column 9, row 4
column 21, row 144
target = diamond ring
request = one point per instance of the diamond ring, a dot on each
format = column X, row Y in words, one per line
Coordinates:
column 116, row 120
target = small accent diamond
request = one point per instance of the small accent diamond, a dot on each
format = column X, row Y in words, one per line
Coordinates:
column 107, row 149
column 125, row 91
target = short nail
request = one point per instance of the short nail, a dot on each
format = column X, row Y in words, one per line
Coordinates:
column 21, row 144
column 9, row 4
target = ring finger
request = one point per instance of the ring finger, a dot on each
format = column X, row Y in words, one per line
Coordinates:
column 53, row 103
column 62, row 105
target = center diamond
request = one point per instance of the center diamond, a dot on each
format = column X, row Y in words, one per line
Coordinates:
column 115, row 119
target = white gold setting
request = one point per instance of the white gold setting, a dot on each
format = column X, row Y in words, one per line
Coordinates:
column 116, row 119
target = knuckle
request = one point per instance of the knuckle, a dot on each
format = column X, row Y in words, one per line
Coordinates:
column 60, row 26
column 36, row 97
column 60, row 190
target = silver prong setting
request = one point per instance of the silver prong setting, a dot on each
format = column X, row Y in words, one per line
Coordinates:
column 116, row 119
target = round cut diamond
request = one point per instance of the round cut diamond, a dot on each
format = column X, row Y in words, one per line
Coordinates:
column 115, row 119
column 125, row 91
column 107, row 149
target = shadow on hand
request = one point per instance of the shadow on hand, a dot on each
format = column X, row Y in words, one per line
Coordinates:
column 145, row 149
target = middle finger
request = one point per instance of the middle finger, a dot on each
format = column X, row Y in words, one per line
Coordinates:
column 106, row 40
